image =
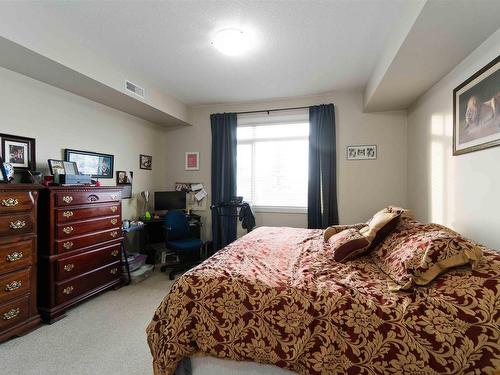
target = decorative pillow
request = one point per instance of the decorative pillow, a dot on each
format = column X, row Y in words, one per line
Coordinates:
column 416, row 253
column 334, row 229
column 348, row 244
column 379, row 226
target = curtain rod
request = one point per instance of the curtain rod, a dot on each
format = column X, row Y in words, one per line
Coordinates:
column 271, row 110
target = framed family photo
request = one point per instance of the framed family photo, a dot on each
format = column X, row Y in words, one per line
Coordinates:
column 476, row 111
column 18, row 151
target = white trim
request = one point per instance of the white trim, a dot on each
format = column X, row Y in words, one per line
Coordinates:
column 280, row 209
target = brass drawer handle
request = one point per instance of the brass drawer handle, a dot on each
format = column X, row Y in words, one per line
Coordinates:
column 67, row 199
column 114, row 253
column 11, row 314
column 68, row 290
column 93, row 198
column 13, row 286
column 10, row 202
column 113, row 271
column 69, row 267
column 68, row 230
column 113, row 209
column 67, row 214
column 68, row 245
column 18, row 224
column 14, row 256
column 114, row 221
column 114, row 234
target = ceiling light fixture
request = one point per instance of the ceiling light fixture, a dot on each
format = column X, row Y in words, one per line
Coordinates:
column 232, row 41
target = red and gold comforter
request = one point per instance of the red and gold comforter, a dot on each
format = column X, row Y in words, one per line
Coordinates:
column 276, row 296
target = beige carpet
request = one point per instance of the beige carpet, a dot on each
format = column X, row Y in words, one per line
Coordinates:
column 105, row 335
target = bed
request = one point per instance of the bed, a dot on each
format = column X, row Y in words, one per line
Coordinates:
column 276, row 297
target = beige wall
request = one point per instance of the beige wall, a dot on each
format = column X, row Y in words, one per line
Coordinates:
column 58, row 119
column 458, row 191
column 363, row 186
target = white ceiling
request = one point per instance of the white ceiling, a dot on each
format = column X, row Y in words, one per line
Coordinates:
column 304, row 47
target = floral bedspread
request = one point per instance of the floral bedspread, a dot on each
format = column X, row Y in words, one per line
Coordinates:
column 277, row 296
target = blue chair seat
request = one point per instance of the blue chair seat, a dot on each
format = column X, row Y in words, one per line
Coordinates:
column 185, row 244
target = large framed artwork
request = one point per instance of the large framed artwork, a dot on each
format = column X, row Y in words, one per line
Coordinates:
column 476, row 111
column 91, row 163
column 19, row 151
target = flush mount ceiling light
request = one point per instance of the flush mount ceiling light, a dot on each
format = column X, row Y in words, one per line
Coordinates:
column 232, row 41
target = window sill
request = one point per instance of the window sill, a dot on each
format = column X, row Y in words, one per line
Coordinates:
column 283, row 210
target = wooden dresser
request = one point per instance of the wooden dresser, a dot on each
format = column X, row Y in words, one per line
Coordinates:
column 80, row 246
column 18, row 259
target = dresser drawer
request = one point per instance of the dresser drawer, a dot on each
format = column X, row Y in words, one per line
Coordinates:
column 81, row 227
column 79, row 264
column 16, row 201
column 86, row 240
column 65, row 215
column 14, row 284
column 70, row 198
column 16, row 255
column 16, row 224
column 14, row 312
column 70, row 289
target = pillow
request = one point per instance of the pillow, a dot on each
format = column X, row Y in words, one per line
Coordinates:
column 330, row 231
column 348, row 244
column 416, row 253
column 379, row 226
column 348, row 241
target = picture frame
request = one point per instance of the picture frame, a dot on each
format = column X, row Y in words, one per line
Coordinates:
column 192, row 161
column 476, row 110
column 70, row 168
column 146, row 162
column 124, row 180
column 362, row 152
column 123, row 177
column 56, row 166
column 95, row 164
column 19, row 151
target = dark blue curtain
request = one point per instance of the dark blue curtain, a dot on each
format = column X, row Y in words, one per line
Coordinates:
column 322, row 190
column 223, row 176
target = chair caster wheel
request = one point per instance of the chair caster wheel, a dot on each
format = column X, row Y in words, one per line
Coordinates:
column 171, row 276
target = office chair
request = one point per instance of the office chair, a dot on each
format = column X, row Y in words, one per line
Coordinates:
column 178, row 239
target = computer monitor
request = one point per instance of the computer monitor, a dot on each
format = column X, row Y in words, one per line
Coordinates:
column 170, row 200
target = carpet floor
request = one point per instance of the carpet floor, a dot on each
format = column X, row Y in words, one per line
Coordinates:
column 105, row 335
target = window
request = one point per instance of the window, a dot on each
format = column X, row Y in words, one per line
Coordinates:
column 272, row 161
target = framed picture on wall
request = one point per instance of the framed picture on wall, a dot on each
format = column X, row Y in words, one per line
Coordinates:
column 192, row 161
column 146, row 162
column 362, row 152
column 18, row 151
column 476, row 111
column 91, row 163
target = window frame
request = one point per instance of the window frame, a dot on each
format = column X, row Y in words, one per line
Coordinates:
column 301, row 118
